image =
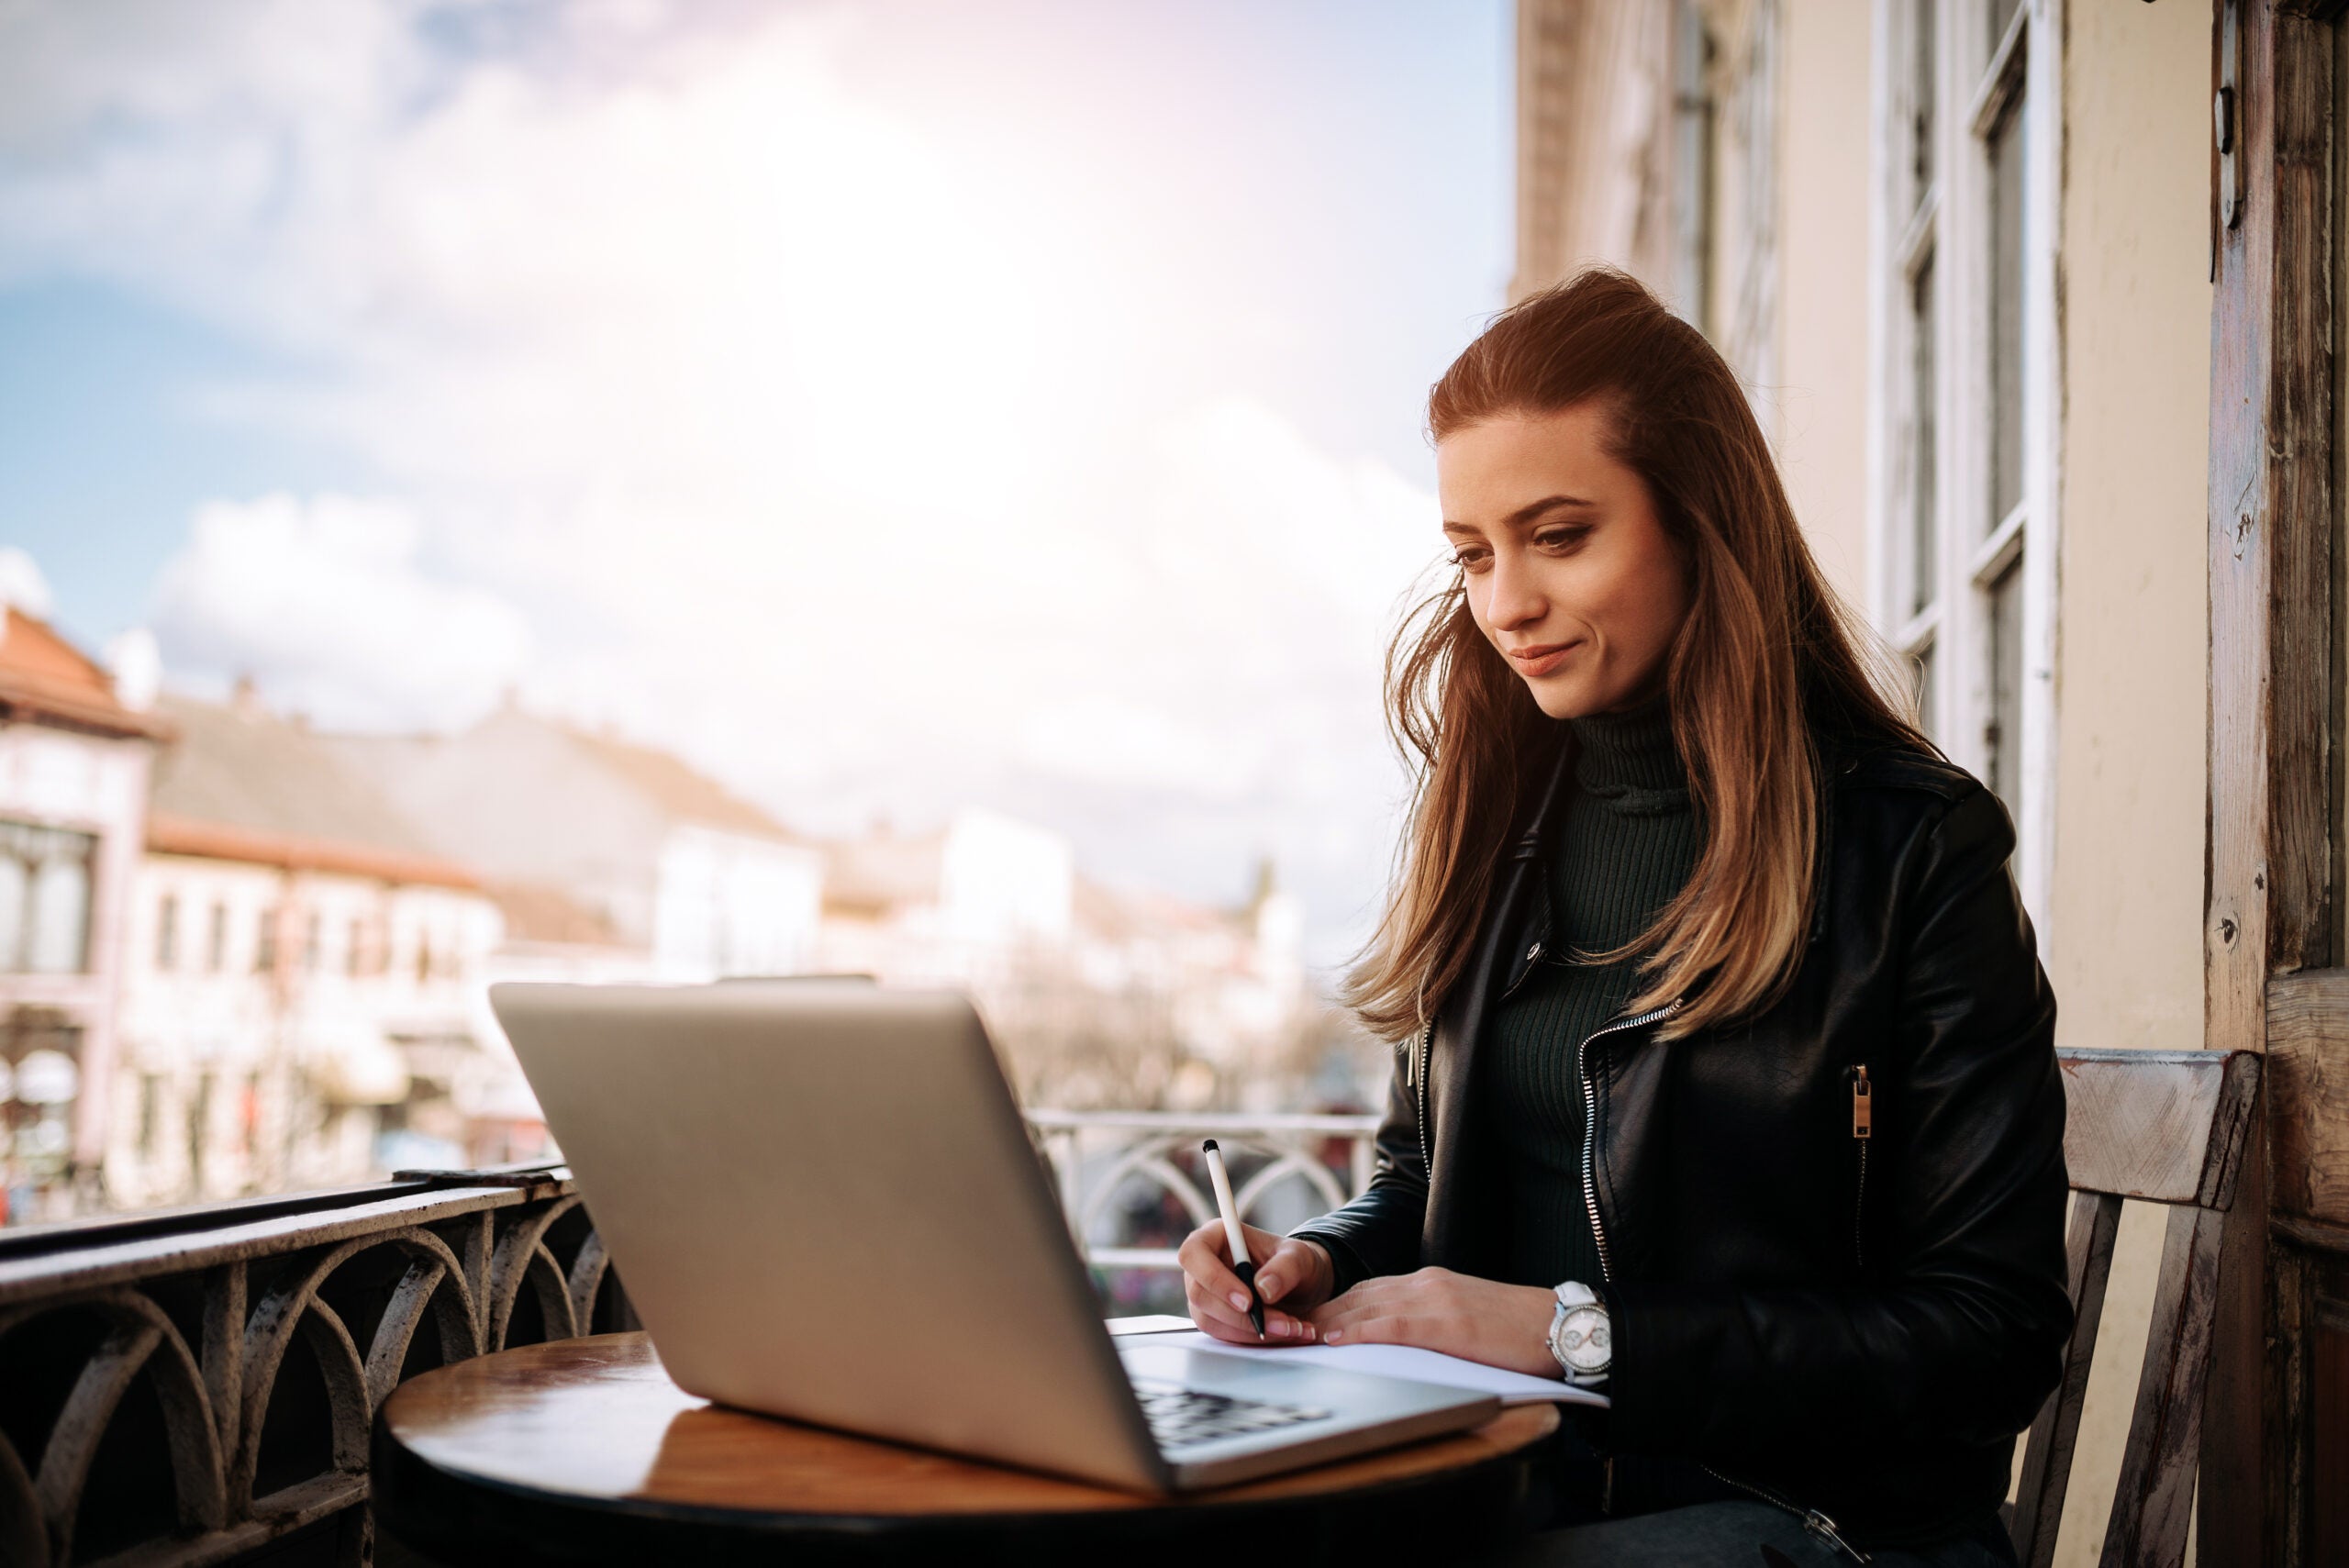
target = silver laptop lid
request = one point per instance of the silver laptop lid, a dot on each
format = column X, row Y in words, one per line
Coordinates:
column 784, row 1173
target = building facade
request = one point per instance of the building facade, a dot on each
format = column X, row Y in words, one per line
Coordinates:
column 1961, row 253
column 301, row 978
column 74, row 759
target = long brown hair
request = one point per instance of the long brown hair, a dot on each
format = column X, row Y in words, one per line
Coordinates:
column 1767, row 659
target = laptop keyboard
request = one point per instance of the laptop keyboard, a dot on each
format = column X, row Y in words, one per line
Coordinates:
column 1180, row 1417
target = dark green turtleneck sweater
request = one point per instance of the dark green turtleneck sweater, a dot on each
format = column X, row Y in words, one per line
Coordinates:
column 1624, row 845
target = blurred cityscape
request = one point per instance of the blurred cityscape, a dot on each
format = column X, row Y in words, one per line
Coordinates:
column 240, row 954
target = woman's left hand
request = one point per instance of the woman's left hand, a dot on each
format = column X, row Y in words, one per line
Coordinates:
column 1476, row 1320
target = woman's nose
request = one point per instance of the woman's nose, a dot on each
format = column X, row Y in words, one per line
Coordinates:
column 1516, row 602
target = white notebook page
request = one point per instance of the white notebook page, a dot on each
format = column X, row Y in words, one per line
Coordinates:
column 1407, row 1361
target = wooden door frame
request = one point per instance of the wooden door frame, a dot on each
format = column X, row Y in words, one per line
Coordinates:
column 2271, row 922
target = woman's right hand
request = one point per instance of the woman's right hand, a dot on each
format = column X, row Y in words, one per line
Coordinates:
column 1297, row 1275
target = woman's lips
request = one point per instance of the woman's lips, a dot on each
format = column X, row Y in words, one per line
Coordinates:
column 1543, row 660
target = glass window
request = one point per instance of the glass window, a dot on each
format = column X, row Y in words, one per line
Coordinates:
column 44, row 899
column 313, row 942
column 1922, row 91
column 355, row 956
column 1923, row 537
column 15, row 882
column 1921, row 686
column 1693, row 113
column 199, row 1132
column 150, row 1102
column 2003, row 732
column 2002, row 13
column 215, row 940
column 167, row 933
column 2009, row 146
column 266, row 944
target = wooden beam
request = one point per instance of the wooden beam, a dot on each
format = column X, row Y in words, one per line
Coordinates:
column 2308, row 1044
column 2268, row 890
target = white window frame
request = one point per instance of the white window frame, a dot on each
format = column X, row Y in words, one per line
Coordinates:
column 1952, row 222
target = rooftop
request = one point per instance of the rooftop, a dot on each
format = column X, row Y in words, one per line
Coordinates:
column 243, row 784
column 45, row 679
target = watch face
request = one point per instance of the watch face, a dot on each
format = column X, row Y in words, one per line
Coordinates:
column 1583, row 1341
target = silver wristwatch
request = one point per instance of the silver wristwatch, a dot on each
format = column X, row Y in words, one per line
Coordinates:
column 1580, row 1335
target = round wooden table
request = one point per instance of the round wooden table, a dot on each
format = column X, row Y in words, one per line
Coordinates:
column 582, row 1451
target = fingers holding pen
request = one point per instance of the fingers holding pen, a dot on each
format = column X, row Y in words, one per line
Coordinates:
column 1217, row 1297
column 1297, row 1273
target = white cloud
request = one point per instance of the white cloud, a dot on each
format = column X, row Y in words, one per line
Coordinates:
column 871, row 468
column 325, row 602
column 22, row 586
column 135, row 661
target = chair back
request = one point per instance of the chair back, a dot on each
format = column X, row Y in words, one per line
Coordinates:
column 2161, row 1127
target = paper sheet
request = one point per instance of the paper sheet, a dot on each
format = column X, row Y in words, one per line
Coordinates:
column 1408, row 1362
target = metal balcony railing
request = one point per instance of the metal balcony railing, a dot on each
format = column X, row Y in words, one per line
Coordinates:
column 1098, row 1156
column 197, row 1386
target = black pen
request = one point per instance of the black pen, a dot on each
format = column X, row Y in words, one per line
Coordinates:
column 1242, row 1265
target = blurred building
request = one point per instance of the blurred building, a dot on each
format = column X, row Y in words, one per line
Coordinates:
column 1961, row 251
column 611, row 860
column 953, row 906
column 302, row 976
column 1098, row 996
column 74, row 758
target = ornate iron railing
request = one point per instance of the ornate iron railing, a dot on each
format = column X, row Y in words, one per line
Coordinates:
column 154, row 1409
column 197, row 1386
column 1096, row 1155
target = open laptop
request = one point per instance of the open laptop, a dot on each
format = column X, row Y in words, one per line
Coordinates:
column 825, row 1204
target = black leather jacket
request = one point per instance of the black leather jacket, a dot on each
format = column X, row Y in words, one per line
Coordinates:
column 1854, row 1326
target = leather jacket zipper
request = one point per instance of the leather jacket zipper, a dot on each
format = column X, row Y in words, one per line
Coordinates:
column 1590, row 1123
column 1813, row 1521
column 1419, row 1058
column 1415, row 1067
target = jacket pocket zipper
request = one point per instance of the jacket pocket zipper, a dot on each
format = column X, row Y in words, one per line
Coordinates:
column 1862, row 1132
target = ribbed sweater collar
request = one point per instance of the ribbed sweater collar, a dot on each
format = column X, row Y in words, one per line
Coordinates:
column 1630, row 753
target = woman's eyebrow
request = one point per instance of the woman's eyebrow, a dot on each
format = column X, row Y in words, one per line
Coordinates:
column 1533, row 509
column 1523, row 515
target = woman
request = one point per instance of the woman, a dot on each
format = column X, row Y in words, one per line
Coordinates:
column 1726, row 1079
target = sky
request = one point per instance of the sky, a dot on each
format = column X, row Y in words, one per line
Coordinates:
column 890, row 406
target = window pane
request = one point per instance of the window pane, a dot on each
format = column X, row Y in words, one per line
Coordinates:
column 16, row 885
column 1923, row 88
column 61, row 934
column 2004, row 733
column 216, row 945
column 2002, row 12
column 44, row 898
column 1923, row 538
column 1692, row 167
column 167, row 932
column 2007, row 156
column 150, row 1100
